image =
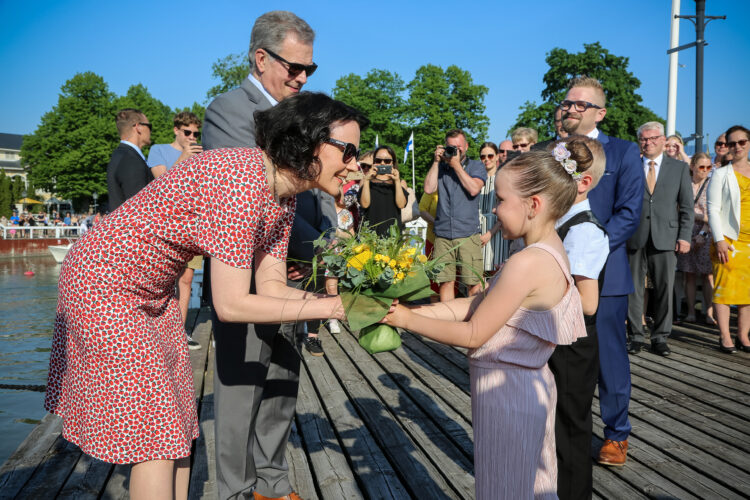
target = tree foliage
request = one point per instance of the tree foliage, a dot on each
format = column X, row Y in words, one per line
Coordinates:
column 68, row 153
column 432, row 103
column 625, row 113
column 230, row 71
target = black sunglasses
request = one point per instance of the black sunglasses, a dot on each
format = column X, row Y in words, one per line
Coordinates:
column 579, row 106
column 189, row 132
column 294, row 69
column 365, row 166
column 350, row 150
column 720, row 144
column 384, row 161
column 506, row 151
column 150, row 127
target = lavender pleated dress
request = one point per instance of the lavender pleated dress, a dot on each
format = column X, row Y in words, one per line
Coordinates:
column 513, row 398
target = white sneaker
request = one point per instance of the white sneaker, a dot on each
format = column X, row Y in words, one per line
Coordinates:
column 333, row 326
column 192, row 344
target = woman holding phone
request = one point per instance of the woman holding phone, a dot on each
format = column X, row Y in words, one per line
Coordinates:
column 383, row 192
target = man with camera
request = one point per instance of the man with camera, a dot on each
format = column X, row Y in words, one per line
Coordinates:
column 458, row 182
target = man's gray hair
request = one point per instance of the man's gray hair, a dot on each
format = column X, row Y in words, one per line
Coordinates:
column 271, row 29
column 651, row 126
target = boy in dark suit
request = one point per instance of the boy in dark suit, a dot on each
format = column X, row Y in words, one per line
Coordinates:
column 127, row 172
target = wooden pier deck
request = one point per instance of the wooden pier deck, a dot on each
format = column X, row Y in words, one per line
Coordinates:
column 398, row 425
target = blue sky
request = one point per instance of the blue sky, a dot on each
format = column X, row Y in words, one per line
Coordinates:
column 170, row 46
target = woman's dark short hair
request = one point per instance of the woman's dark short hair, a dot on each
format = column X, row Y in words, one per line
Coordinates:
column 291, row 132
column 390, row 152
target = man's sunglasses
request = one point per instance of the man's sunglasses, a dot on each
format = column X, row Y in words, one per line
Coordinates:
column 351, row 152
column 505, row 151
column 384, row 161
column 294, row 69
column 490, row 156
column 150, row 127
column 733, row 144
column 520, row 145
column 365, row 166
column 189, row 132
column 579, row 106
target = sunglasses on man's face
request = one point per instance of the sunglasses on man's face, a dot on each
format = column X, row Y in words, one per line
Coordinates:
column 189, row 132
column 365, row 166
column 150, row 127
column 490, row 156
column 292, row 68
column 734, row 144
column 505, row 151
column 349, row 150
column 384, row 161
column 520, row 145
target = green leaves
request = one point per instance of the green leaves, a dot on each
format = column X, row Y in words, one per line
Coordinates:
column 69, row 151
column 625, row 113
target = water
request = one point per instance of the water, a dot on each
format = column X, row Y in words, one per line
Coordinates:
column 27, row 315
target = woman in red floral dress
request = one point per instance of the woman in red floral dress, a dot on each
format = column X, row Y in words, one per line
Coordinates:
column 120, row 373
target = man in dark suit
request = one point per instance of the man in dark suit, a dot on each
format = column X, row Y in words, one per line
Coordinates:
column 616, row 203
column 127, row 172
column 665, row 228
column 257, row 366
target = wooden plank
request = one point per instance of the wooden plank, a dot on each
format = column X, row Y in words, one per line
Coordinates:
column 453, row 463
column 203, row 469
column 720, row 384
column 20, row 466
column 671, row 460
column 448, row 353
column 117, row 484
column 375, row 475
column 53, row 470
column 201, row 333
column 437, row 364
column 299, row 469
column 455, row 425
column 610, row 486
column 87, row 479
column 453, row 396
column 414, row 469
column 709, row 366
column 332, row 472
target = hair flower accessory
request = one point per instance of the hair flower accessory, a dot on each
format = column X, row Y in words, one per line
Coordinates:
column 562, row 154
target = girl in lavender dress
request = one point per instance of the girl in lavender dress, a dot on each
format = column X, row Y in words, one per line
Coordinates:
column 511, row 330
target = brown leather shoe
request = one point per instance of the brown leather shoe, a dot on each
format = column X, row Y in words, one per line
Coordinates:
column 290, row 496
column 613, row 453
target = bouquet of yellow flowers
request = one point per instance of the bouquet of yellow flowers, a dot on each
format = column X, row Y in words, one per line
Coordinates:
column 372, row 271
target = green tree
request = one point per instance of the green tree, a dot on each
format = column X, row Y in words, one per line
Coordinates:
column 440, row 100
column 625, row 113
column 7, row 203
column 230, row 71
column 380, row 96
column 69, row 151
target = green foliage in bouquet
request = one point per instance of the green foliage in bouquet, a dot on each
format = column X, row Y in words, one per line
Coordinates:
column 372, row 271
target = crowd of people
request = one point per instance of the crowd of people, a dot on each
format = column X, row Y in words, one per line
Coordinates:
column 75, row 224
column 551, row 249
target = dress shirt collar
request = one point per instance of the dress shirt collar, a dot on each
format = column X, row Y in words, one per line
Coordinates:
column 656, row 160
column 262, row 89
column 594, row 134
column 576, row 209
column 134, row 147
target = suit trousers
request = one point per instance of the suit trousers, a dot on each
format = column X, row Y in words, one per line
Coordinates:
column 576, row 370
column 614, row 366
column 255, row 390
column 660, row 265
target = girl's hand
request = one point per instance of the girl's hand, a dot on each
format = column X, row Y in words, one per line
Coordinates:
column 397, row 315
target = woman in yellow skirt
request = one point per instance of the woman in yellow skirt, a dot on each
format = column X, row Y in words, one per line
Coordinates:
column 729, row 219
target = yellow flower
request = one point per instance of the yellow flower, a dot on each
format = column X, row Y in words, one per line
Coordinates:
column 360, row 248
column 400, row 276
column 422, row 258
column 410, row 251
column 393, row 263
column 358, row 261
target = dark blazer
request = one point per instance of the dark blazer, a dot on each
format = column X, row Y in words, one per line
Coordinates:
column 616, row 201
column 127, row 173
column 667, row 214
column 229, row 121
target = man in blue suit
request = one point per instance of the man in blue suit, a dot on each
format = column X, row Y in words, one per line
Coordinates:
column 616, row 202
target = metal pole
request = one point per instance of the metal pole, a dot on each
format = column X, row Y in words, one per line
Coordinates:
column 674, row 40
column 700, row 25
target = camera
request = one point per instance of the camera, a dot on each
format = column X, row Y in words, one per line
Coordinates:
column 384, row 169
column 450, row 151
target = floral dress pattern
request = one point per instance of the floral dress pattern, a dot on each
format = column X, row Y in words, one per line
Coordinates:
column 120, row 374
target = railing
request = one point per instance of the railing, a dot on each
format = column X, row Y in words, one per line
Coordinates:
column 39, row 232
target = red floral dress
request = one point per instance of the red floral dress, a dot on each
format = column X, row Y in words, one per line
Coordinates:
column 120, row 373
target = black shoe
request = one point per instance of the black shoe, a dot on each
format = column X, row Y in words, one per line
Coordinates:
column 660, row 348
column 740, row 346
column 726, row 350
column 193, row 344
column 635, row 347
column 313, row 346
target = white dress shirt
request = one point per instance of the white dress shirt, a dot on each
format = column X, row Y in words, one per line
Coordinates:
column 587, row 246
column 657, row 165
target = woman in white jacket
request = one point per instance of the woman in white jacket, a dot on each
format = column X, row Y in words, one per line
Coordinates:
column 729, row 219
